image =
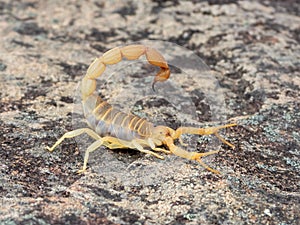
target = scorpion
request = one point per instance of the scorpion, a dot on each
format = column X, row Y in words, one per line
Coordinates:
column 118, row 130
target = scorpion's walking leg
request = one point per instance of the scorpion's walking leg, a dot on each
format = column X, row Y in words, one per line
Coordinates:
column 90, row 149
column 135, row 144
column 204, row 131
column 149, row 142
column 113, row 143
column 190, row 155
column 161, row 150
column 75, row 133
column 106, row 141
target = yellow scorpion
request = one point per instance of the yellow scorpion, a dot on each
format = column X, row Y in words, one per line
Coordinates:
column 116, row 130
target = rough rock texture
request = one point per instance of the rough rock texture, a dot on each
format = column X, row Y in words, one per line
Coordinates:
column 252, row 48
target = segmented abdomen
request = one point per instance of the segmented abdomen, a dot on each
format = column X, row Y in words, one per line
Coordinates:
column 108, row 121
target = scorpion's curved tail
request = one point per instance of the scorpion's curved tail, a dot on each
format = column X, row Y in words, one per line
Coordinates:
column 115, row 55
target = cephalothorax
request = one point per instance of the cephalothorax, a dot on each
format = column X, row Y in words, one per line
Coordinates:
column 115, row 129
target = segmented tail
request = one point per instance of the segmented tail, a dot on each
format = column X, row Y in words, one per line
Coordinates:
column 114, row 56
column 101, row 116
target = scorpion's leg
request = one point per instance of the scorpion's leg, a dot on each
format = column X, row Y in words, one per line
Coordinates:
column 161, row 150
column 75, row 133
column 106, row 141
column 151, row 144
column 204, row 131
column 113, row 143
column 181, row 142
column 190, row 155
column 137, row 144
column 90, row 149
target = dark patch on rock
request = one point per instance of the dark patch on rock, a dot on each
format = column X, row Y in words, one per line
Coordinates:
column 269, row 24
column 30, row 28
column 247, row 98
column 249, row 38
column 126, row 216
column 65, row 37
column 2, row 66
column 250, row 102
column 270, row 163
column 222, row 2
column 211, row 59
column 237, row 73
column 105, row 193
column 285, row 6
column 25, row 5
column 99, row 48
column 154, row 102
column 140, row 35
column 74, row 70
column 5, row 6
column 23, row 44
column 100, row 5
column 13, row 105
column 72, row 218
column 163, row 4
column 96, row 216
column 203, row 109
column 215, row 40
column 128, row 10
column 240, row 87
column 273, row 95
column 33, row 92
column 128, row 155
column 184, row 37
column 181, row 219
column 51, row 102
column 66, row 99
column 246, row 37
column 24, row 167
column 296, row 34
column 101, row 36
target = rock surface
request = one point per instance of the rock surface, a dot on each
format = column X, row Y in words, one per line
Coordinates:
column 252, row 48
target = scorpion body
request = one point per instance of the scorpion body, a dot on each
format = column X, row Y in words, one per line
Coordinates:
column 115, row 129
column 106, row 120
